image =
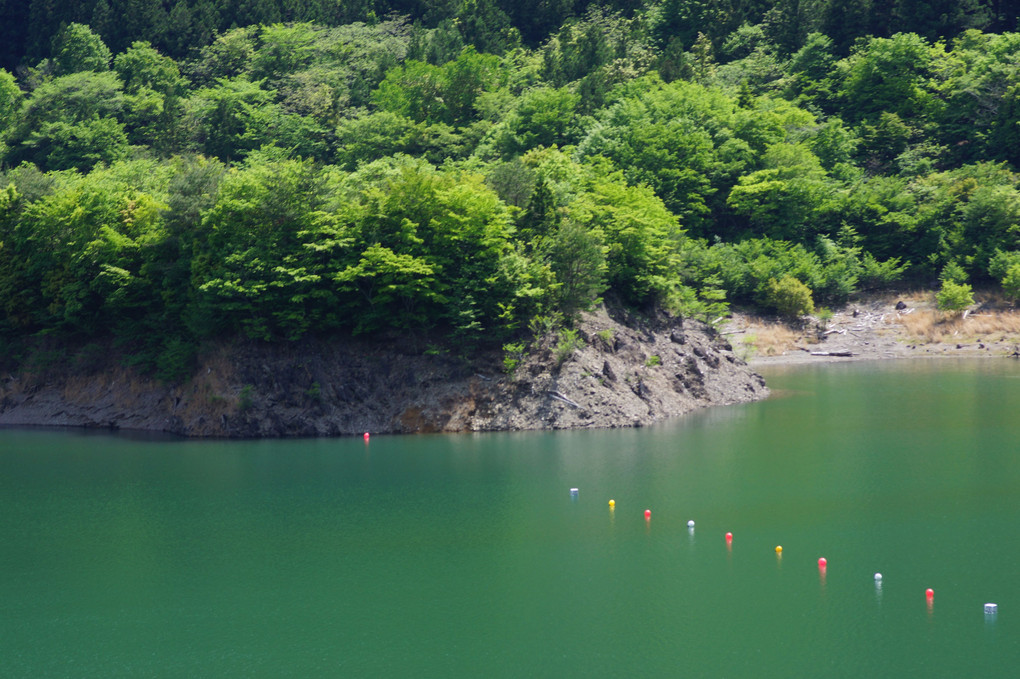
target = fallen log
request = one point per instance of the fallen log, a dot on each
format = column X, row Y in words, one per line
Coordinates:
column 841, row 354
column 560, row 397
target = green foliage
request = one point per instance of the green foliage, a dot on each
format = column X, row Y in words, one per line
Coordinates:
column 789, row 297
column 569, row 341
column 475, row 167
column 1011, row 282
column 953, row 273
column 543, row 117
column 954, row 297
column 513, row 353
column 78, row 48
column 889, row 75
column 10, row 100
column 438, row 94
column 541, row 325
column 577, row 258
column 246, row 275
column 788, row 199
column 70, row 122
column 669, row 137
column 1001, row 262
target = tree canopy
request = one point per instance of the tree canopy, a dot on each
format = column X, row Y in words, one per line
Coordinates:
column 170, row 172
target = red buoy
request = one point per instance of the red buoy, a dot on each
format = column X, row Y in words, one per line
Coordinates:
column 822, row 563
column 729, row 537
column 366, row 435
column 930, row 593
column 648, row 514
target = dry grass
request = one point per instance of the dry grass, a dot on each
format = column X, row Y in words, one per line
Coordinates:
column 935, row 327
column 763, row 338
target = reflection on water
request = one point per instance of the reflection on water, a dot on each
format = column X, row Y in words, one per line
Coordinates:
column 469, row 555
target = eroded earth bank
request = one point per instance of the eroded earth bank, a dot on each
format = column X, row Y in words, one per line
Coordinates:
column 624, row 371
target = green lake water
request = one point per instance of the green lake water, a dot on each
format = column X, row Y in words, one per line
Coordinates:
column 467, row 556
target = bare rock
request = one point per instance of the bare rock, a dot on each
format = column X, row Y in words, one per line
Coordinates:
column 319, row 387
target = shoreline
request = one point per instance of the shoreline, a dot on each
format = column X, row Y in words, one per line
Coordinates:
column 888, row 327
column 613, row 369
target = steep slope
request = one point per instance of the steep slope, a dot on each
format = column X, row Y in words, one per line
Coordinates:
column 625, row 371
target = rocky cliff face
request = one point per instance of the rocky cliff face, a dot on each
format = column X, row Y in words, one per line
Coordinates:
column 623, row 372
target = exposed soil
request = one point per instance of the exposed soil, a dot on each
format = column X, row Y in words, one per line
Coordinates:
column 890, row 326
column 625, row 371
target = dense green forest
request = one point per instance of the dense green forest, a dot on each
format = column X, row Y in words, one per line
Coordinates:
column 474, row 170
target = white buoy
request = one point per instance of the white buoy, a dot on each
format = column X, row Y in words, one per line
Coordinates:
column 991, row 609
column 573, row 491
column 690, row 524
column 878, row 577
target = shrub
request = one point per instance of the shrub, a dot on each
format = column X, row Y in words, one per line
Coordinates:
column 824, row 316
column 954, row 296
column 953, row 273
column 1001, row 262
column 789, row 297
column 1011, row 282
column 512, row 355
column 569, row 342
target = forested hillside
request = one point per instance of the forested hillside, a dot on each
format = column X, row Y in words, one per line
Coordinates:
column 477, row 170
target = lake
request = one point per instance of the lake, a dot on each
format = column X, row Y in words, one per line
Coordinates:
column 468, row 556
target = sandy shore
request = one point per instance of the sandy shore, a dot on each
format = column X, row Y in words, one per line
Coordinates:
column 879, row 328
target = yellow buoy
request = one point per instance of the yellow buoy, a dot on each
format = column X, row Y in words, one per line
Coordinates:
column 779, row 549
column 612, row 504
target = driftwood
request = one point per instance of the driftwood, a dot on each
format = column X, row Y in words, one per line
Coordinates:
column 842, row 354
column 557, row 395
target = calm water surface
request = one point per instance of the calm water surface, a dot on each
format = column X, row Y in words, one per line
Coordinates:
column 466, row 556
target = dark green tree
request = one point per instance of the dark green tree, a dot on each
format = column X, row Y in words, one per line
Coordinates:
column 76, row 49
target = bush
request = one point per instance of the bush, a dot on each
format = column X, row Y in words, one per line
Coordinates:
column 789, row 297
column 512, row 355
column 953, row 273
column 569, row 342
column 954, row 296
column 1001, row 262
column 1011, row 282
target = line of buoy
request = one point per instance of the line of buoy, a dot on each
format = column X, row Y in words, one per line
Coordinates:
column 990, row 609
